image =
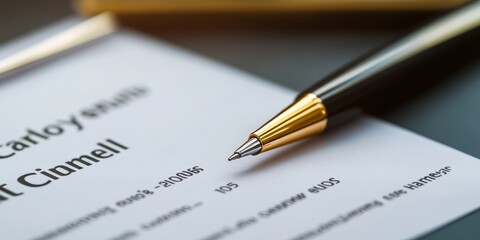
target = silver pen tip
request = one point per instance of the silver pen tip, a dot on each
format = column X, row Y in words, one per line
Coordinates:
column 250, row 147
column 234, row 156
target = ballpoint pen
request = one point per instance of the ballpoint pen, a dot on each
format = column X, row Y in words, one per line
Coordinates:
column 309, row 113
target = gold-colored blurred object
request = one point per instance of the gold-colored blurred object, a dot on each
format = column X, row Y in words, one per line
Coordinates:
column 305, row 117
column 82, row 33
column 89, row 7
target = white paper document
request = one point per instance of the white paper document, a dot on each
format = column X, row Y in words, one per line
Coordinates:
column 127, row 138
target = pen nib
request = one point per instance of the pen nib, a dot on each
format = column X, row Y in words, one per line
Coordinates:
column 234, row 156
column 250, row 147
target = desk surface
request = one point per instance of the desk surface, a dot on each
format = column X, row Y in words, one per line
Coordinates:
column 296, row 57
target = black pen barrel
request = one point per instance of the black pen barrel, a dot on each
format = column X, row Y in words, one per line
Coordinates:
column 349, row 85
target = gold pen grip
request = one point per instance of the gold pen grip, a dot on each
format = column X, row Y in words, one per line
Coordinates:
column 305, row 117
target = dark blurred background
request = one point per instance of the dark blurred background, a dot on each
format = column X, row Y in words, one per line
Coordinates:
column 18, row 17
column 439, row 99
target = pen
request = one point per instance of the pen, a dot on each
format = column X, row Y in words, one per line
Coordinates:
column 313, row 108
